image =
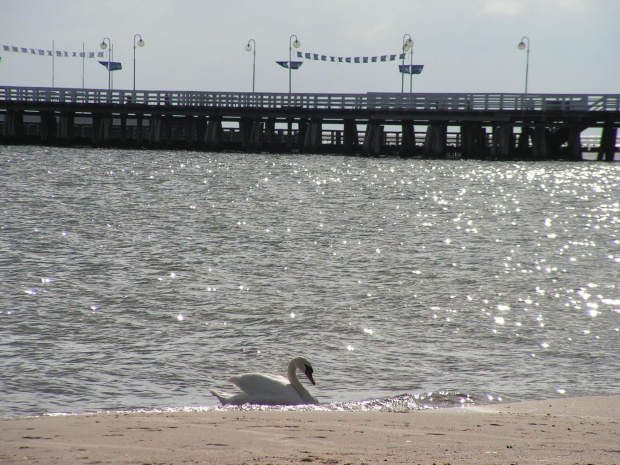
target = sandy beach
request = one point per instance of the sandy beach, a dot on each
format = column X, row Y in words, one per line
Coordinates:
column 558, row 431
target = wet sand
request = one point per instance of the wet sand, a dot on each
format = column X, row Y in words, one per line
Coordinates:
column 557, row 431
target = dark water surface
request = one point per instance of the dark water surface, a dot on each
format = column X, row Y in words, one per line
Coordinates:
column 133, row 279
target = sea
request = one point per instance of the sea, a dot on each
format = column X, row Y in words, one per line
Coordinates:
column 138, row 280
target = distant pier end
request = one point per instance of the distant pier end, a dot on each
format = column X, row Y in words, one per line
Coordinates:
column 469, row 126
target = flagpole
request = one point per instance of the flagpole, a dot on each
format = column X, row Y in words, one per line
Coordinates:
column 53, row 61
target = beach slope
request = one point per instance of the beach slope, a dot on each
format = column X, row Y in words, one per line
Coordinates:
column 558, row 431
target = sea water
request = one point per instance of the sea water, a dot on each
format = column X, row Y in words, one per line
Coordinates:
column 140, row 279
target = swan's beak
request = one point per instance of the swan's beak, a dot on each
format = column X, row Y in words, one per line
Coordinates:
column 309, row 374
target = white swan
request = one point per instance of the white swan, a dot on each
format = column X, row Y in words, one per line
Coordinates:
column 269, row 389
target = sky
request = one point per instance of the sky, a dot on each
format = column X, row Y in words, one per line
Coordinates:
column 199, row 45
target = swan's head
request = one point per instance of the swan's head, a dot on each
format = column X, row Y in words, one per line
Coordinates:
column 304, row 365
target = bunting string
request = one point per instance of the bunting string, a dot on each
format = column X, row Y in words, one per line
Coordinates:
column 52, row 53
column 337, row 59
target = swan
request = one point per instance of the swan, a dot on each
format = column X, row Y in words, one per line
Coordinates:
column 263, row 389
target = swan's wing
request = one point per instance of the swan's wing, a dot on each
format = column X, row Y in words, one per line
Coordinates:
column 253, row 383
column 266, row 389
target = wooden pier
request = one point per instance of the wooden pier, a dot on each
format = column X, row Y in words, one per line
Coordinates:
column 475, row 126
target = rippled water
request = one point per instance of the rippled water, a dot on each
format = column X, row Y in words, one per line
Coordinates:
column 137, row 279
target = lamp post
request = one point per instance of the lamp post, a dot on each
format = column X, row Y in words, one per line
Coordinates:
column 140, row 43
column 249, row 48
column 522, row 46
column 407, row 46
column 291, row 44
column 105, row 46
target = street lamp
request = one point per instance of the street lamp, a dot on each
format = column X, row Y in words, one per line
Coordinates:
column 140, row 43
column 522, row 46
column 105, row 46
column 407, row 46
column 249, row 48
column 291, row 44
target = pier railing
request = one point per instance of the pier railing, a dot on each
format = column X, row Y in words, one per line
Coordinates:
column 369, row 101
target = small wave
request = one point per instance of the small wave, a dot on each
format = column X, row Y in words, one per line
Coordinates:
column 400, row 404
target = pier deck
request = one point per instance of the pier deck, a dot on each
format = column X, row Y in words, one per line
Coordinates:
column 487, row 126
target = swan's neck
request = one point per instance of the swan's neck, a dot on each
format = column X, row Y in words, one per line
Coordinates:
column 292, row 377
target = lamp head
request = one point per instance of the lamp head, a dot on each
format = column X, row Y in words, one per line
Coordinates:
column 140, row 43
column 296, row 44
column 248, row 47
column 407, row 45
column 521, row 45
column 103, row 45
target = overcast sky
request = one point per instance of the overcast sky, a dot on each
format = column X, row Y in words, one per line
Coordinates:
column 464, row 45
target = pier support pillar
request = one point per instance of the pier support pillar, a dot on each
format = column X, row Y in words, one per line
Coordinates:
column 167, row 122
column 472, row 141
column 155, row 131
column 607, row 146
column 48, row 127
column 351, row 137
column 201, row 130
column 540, row 150
column 213, row 135
column 102, row 129
column 407, row 145
column 525, row 142
column 290, row 137
column 189, row 131
column 256, row 136
column 245, row 131
column 14, row 125
column 503, row 142
column 436, row 139
column 314, row 135
column 574, row 144
column 123, row 128
column 373, row 140
column 139, row 123
column 270, row 134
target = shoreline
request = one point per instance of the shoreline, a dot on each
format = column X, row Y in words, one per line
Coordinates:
column 566, row 430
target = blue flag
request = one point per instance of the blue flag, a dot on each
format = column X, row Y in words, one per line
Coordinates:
column 294, row 64
column 114, row 65
column 411, row 69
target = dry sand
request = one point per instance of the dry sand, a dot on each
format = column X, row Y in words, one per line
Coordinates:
column 558, row 431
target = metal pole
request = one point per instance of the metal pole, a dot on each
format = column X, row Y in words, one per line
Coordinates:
column 83, row 62
column 249, row 48
column 527, row 65
column 108, row 46
column 254, row 69
column 406, row 46
column 411, row 71
column 134, row 63
column 290, row 51
column 522, row 46
column 140, row 44
column 53, row 62
column 290, row 54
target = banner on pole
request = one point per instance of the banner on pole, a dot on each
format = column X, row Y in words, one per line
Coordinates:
column 57, row 53
column 114, row 65
column 336, row 59
column 411, row 69
column 294, row 64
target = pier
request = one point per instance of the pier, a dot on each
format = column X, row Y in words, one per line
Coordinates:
column 463, row 125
